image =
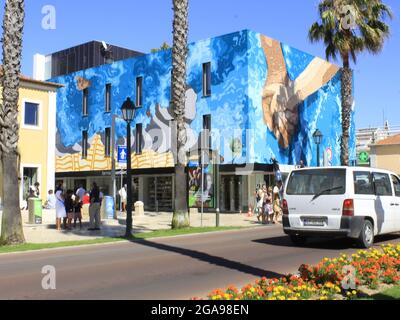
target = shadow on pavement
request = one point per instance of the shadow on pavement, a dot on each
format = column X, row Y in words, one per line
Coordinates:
column 205, row 257
column 323, row 243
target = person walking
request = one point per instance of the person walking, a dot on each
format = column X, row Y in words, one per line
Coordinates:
column 277, row 206
column 80, row 192
column 61, row 213
column 94, row 208
column 268, row 206
column 69, row 208
column 78, row 212
column 259, row 202
column 123, row 194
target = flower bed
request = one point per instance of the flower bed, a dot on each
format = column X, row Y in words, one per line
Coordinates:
column 332, row 279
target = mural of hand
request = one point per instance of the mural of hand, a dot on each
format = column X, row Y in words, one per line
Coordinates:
column 282, row 96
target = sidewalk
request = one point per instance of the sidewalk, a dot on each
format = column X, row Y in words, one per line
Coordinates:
column 46, row 232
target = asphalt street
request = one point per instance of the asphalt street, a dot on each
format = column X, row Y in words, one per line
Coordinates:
column 165, row 269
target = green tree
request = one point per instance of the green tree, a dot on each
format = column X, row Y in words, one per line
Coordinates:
column 347, row 28
column 13, row 25
column 179, row 57
column 164, row 46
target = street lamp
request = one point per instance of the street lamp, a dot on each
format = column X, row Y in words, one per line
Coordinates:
column 128, row 113
column 317, row 140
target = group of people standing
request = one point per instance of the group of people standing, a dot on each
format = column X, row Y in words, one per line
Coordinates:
column 69, row 207
column 268, row 203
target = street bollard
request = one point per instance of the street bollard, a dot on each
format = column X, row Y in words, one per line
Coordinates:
column 217, row 218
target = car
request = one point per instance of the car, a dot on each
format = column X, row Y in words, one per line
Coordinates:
column 354, row 202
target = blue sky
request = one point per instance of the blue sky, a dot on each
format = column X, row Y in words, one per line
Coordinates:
column 142, row 25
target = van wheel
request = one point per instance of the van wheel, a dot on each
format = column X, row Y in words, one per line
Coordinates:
column 366, row 239
column 298, row 240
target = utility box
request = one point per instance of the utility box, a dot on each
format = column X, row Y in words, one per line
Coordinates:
column 35, row 211
column 139, row 209
column 108, row 208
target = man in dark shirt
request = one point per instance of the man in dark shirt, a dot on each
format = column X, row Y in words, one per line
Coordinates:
column 94, row 208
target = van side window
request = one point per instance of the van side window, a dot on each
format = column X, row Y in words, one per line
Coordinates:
column 383, row 187
column 363, row 183
column 396, row 184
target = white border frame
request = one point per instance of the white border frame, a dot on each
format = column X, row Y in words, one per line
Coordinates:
column 40, row 115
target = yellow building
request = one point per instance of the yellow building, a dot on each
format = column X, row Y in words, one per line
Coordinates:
column 386, row 154
column 37, row 118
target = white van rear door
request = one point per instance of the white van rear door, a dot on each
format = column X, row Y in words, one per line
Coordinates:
column 315, row 197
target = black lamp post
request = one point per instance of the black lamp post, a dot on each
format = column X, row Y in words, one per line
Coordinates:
column 317, row 140
column 128, row 113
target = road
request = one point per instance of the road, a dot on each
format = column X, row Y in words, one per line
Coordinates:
column 165, row 269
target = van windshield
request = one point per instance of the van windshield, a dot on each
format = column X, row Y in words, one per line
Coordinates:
column 315, row 182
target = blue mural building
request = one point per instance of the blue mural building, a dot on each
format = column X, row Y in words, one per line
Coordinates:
column 259, row 98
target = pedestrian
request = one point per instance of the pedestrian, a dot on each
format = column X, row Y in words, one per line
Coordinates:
column 94, row 208
column 259, row 202
column 86, row 198
column 277, row 205
column 37, row 190
column 69, row 208
column 123, row 195
column 78, row 212
column 80, row 192
column 60, row 206
column 51, row 201
column 268, row 205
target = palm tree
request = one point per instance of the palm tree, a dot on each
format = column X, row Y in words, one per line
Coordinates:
column 13, row 24
column 347, row 28
column 179, row 57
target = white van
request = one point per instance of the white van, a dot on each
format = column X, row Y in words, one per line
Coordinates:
column 353, row 202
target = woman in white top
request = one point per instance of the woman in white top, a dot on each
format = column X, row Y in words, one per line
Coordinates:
column 61, row 213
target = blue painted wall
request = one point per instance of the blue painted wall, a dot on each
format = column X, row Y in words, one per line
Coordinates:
column 239, row 73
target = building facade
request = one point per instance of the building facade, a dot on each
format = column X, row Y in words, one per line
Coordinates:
column 259, row 99
column 385, row 154
column 37, row 118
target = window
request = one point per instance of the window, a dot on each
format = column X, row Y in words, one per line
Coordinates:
column 312, row 182
column 139, row 91
column 363, row 183
column 207, row 79
column 382, row 183
column 396, row 184
column 31, row 114
column 139, row 138
column 107, row 142
column 108, row 98
column 84, row 144
column 207, row 131
column 85, row 102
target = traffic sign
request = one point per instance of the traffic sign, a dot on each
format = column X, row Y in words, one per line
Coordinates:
column 122, row 154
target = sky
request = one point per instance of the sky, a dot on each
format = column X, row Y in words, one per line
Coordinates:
column 143, row 25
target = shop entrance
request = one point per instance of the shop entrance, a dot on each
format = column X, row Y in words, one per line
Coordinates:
column 158, row 193
column 233, row 190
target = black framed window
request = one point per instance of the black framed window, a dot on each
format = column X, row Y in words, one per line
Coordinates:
column 139, row 91
column 31, row 114
column 207, row 79
column 139, row 138
column 107, row 143
column 363, row 183
column 383, row 187
column 396, row 185
column 108, row 98
column 84, row 144
column 85, row 102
